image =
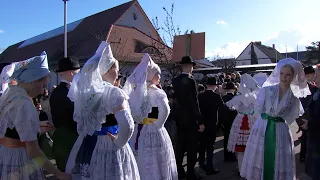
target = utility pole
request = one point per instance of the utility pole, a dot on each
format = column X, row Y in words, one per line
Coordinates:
column 65, row 29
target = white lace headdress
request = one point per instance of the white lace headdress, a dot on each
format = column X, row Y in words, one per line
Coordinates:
column 299, row 84
column 6, row 73
column 260, row 78
column 87, row 88
column 247, row 84
column 136, row 87
column 248, row 89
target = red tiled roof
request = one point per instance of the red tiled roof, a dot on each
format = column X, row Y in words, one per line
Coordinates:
column 130, row 44
column 82, row 41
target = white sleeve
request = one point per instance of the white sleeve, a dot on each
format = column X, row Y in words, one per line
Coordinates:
column 294, row 111
column 164, row 110
column 126, row 126
column 116, row 98
column 234, row 103
column 27, row 122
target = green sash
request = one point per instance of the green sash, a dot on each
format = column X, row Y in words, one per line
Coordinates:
column 270, row 146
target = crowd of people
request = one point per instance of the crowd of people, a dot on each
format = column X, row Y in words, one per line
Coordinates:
column 97, row 129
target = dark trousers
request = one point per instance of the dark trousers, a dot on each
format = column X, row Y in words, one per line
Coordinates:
column 303, row 149
column 228, row 156
column 187, row 141
column 207, row 140
column 63, row 140
column 313, row 156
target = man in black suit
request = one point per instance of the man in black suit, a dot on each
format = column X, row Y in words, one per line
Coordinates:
column 226, row 117
column 310, row 73
column 209, row 102
column 62, row 108
column 188, row 120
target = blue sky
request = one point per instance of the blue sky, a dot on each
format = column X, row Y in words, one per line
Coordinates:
column 229, row 24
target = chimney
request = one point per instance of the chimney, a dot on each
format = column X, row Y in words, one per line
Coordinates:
column 273, row 46
column 258, row 43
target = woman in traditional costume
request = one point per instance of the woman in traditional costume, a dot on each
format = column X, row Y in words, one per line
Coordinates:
column 104, row 122
column 21, row 157
column 244, row 104
column 150, row 110
column 269, row 152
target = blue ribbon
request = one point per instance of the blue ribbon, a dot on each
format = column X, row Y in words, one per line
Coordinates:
column 111, row 129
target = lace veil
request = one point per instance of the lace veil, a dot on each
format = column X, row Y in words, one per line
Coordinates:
column 136, row 87
column 260, row 78
column 6, row 73
column 87, row 88
column 248, row 89
column 299, row 84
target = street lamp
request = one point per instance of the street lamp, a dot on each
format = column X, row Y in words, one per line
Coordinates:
column 65, row 28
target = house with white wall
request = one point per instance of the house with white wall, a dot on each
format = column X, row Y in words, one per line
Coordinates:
column 265, row 54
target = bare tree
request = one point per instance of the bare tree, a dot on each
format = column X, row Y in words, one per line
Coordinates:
column 313, row 53
column 168, row 30
column 118, row 44
column 224, row 63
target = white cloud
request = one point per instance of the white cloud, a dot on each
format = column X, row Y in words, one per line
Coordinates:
column 284, row 40
column 1, row 31
column 231, row 49
column 222, row 22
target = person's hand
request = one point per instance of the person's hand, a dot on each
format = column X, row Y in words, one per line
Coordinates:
column 113, row 137
column 64, row 176
column 304, row 126
column 201, row 128
column 46, row 126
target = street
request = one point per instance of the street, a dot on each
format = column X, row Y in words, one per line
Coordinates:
column 229, row 170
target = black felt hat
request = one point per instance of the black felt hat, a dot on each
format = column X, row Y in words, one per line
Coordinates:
column 212, row 80
column 187, row 60
column 230, row 85
column 67, row 64
column 308, row 70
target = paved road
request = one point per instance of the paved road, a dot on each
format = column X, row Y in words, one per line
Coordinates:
column 229, row 170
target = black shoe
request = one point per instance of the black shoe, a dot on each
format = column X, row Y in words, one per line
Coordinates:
column 181, row 176
column 212, row 171
column 194, row 177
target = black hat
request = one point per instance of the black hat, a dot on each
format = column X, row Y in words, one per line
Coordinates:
column 212, row 81
column 226, row 80
column 187, row 60
column 67, row 64
column 308, row 70
column 201, row 87
column 230, row 85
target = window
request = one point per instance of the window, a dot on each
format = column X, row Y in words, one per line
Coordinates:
column 134, row 16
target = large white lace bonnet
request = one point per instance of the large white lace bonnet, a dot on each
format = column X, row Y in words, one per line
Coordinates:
column 87, row 88
column 247, row 84
column 299, row 84
column 260, row 78
column 136, row 86
column 6, row 73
